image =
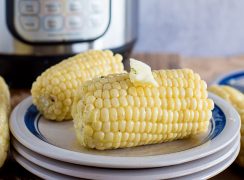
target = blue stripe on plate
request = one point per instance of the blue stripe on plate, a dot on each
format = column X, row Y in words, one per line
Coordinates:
column 33, row 116
column 219, row 121
column 226, row 80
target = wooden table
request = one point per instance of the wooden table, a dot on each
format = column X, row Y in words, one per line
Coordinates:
column 208, row 68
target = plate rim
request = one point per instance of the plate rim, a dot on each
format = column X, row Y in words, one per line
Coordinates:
column 223, row 76
column 33, row 143
column 223, row 165
column 35, row 169
column 93, row 172
column 205, row 175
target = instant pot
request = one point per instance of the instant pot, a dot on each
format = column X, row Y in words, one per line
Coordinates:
column 35, row 34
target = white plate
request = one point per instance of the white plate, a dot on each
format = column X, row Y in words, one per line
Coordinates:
column 101, row 173
column 234, row 79
column 212, row 171
column 39, row 171
column 47, row 174
column 57, row 140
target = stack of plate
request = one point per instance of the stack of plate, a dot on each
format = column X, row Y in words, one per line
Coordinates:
column 50, row 150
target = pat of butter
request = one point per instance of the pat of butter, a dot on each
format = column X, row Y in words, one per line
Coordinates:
column 141, row 74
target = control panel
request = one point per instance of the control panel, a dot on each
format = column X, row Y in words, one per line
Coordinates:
column 47, row 21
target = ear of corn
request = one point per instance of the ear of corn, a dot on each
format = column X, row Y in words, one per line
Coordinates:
column 236, row 98
column 4, row 113
column 53, row 90
column 112, row 113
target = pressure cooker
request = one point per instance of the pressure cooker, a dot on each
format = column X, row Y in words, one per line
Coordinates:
column 35, row 34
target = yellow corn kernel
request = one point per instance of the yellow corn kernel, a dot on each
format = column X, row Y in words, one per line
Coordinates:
column 144, row 115
column 4, row 113
column 53, row 91
column 236, row 98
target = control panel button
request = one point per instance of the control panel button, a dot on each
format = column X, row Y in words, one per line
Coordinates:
column 96, row 6
column 58, row 20
column 53, row 7
column 74, row 22
column 30, row 23
column 53, row 23
column 95, row 21
column 74, row 6
column 29, row 7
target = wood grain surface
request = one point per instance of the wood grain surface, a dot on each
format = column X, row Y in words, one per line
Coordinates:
column 211, row 68
column 208, row 68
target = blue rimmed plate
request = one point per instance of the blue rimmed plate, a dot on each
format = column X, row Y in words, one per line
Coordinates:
column 167, row 172
column 46, row 173
column 57, row 140
column 234, row 79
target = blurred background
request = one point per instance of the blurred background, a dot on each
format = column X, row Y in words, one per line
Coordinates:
column 51, row 30
column 204, row 35
column 192, row 27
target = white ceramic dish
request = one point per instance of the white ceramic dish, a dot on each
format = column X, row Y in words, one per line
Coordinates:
column 212, row 171
column 102, row 173
column 47, row 174
column 39, row 171
column 57, row 140
column 234, row 79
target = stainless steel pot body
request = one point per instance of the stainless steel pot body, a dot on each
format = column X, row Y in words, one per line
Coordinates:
column 35, row 34
column 58, row 27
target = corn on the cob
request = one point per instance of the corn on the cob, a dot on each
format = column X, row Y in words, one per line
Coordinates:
column 236, row 98
column 111, row 112
column 4, row 112
column 53, row 91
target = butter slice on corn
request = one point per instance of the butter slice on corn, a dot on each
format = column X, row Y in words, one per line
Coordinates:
column 111, row 112
column 236, row 98
column 53, row 91
column 141, row 74
column 4, row 113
